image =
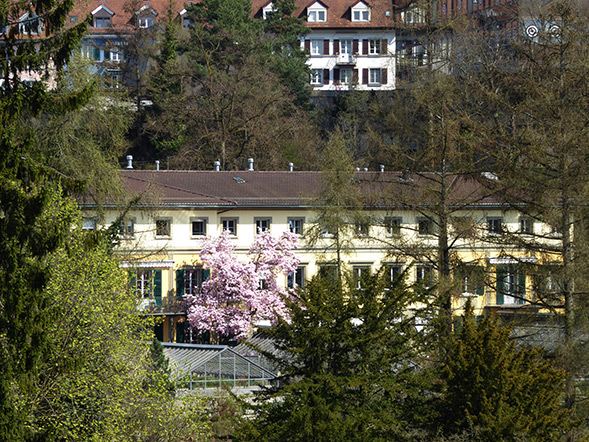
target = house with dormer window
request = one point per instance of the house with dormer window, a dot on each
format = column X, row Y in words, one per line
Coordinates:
column 351, row 45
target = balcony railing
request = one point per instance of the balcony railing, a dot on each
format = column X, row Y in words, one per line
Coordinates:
column 346, row 59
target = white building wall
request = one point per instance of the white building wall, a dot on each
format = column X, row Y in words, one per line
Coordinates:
column 360, row 61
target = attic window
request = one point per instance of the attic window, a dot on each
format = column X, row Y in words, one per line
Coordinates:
column 361, row 12
column 316, row 13
column 238, row 180
column 267, row 10
column 30, row 24
column 102, row 17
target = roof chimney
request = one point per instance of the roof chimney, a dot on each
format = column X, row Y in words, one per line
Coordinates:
column 217, row 166
column 250, row 162
column 290, row 167
column 382, row 167
column 157, row 164
column 129, row 161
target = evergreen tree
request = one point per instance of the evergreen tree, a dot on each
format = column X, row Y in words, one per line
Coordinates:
column 496, row 391
column 347, row 359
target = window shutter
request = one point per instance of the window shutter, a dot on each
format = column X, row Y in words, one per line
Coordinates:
column 500, row 278
column 521, row 286
column 133, row 281
column 364, row 76
column 179, row 332
column 355, row 76
column 308, row 46
column 384, row 46
column 335, row 47
column 355, row 47
column 205, row 274
column 179, row 284
column 336, row 76
column 325, row 47
column 480, row 280
column 325, row 76
column 157, row 286
column 384, row 76
column 364, row 47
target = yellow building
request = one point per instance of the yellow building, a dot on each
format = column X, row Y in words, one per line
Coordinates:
column 162, row 234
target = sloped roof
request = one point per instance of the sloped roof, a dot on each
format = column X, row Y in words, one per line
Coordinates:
column 282, row 189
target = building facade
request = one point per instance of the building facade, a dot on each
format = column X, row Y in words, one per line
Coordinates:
column 162, row 236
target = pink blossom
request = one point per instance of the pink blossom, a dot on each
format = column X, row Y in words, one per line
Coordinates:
column 231, row 299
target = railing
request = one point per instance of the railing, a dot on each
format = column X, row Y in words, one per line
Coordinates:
column 346, row 59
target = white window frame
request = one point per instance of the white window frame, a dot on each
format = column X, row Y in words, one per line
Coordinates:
column 375, row 76
column 226, row 225
column 492, row 227
column 316, row 76
column 424, row 272
column 361, row 13
column 296, row 279
column 316, row 47
column 374, row 46
column 346, row 76
column 316, row 15
column 105, row 22
column 346, row 47
column 393, row 226
column 145, row 22
column 115, row 55
column 89, row 224
column 358, row 271
column 267, row 10
column 430, row 229
column 526, row 225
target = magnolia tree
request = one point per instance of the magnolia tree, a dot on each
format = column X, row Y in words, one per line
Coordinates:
column 239, row 293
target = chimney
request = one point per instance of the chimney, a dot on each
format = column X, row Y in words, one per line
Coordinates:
column 129, row 161
column 157, row 164
column 250, row 163
column 290, row 167
column 217, row 166
column 382, row 167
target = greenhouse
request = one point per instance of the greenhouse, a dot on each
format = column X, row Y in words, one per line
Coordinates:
column 214, row 366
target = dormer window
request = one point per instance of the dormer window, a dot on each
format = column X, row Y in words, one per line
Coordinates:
column 267, row 10
column 317, row 13
column 102, row 17
column 30, row 24
column 413, row 16
column 146, row 16
column 360, row 12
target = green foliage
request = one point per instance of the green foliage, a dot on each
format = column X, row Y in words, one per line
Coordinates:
column 495, row 391
column 347, row 358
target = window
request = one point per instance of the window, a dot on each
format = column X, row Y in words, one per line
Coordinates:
column 296, row 279
column 393, row 226
column 464, row 227
column 317, row 76
column 198, row 227
column 127, row 228
column 148, row 284
column 495, row 225
column 328, row 271
column 316, row 47
column 375, row 76
column 145, row 22
column 115, row 55
column 511, row 285
column 361, row 14
column 314, row 16
column 262, row 225
column 295, row 225
column 102, row 22
column 327, row 232
column 359, row 273
column 30, row 24
column 229, row 225
column 89, row 224
column 346, row 76
column 425, row 227
column 526, row 225
column 346, row 47
column 394, row 271
column 163, row 228
column 374, row 47
column 471, row 279
column 73, row 18
column 423, row 275
column 362, row 228
column 267, row 10
column 189, row 281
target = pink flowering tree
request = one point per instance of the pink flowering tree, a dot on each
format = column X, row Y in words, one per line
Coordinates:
column 239, row 293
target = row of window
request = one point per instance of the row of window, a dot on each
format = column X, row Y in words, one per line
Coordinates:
column 347, row 47
column 510, row 283
column 317, row 12
column 392, row 225
column 372, row 76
